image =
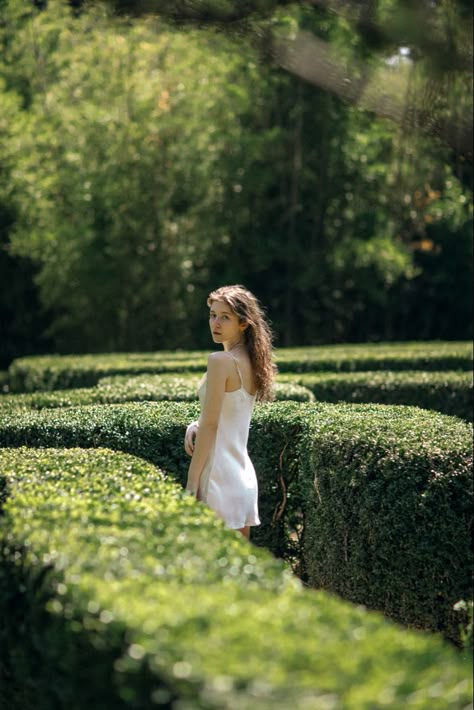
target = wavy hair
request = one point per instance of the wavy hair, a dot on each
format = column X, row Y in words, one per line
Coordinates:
column 257, row 336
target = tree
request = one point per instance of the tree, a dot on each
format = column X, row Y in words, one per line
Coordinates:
column 435, row 36
column 147, row 164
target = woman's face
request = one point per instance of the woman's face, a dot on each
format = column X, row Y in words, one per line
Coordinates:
column 224, row 324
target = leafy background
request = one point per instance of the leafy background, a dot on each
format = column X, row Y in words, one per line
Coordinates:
column 146, row 160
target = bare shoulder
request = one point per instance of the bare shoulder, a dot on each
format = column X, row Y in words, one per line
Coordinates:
column 218, row 361
column 217, row 370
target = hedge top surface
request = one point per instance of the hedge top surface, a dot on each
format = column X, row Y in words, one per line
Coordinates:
column 64, row 370
column 133, row 388
column 383, row 378
column 184, row 387
column 393, row 456
column 406, row 428
column 377, row 350
column 128, row 549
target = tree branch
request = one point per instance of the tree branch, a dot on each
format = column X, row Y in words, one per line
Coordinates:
column 381, row 91
column 313, row 60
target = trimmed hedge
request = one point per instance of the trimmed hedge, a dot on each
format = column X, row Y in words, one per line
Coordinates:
column 420, row 355
column 447, row 392
column 399, row 479
column 56, row 372
column 138, row 388
column 119, row 592
column 53, row 372
column 179, row 388
column 389, row 512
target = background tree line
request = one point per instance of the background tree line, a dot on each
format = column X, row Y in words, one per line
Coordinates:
column 145, row 161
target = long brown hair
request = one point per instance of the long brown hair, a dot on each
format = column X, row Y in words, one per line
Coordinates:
column 257, row 336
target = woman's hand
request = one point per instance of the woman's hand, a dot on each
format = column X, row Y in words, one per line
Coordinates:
column 190, row 438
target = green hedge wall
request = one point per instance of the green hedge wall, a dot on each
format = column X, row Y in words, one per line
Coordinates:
column 117, row 591
column 52, row 372
column 376, row 460
column 56, row 372
column 135, row 388
column 447, row 392
column 184, row 388
column 421, row 355
column 389, row 512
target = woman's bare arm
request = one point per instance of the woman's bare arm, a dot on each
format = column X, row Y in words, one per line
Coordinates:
column 217, row 373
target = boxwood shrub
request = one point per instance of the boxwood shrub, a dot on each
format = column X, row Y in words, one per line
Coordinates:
column 420, row 355
column 56, row 372
column 449, row 392
column 50, row 372
column 401, row 492
column 389, row 512
column 184, row 388
column 134, row 388
column 119, row 592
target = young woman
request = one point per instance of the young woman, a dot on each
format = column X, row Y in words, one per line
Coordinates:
column 221, row 473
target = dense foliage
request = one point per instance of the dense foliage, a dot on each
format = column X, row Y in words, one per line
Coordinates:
column 447, row 392
column 135, row 388
column 134, row 596
column 387, row 484
column 131, row 183
column 51, row 372
column 398, row 455
column 370, row 502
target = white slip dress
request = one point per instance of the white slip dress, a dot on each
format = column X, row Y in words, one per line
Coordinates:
column 228, row 482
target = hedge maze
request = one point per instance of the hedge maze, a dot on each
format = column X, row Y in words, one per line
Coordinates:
column 119, row 591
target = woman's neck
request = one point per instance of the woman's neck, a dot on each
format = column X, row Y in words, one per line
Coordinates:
column 237, row 346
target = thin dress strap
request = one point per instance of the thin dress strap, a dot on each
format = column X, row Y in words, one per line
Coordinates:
column 238, row 369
